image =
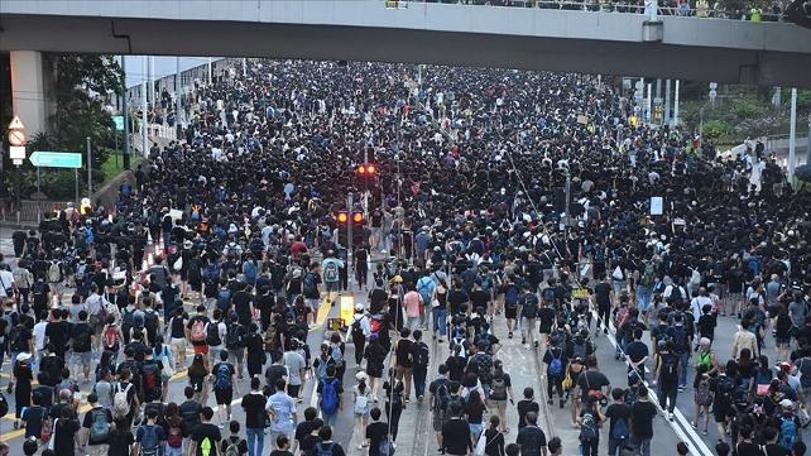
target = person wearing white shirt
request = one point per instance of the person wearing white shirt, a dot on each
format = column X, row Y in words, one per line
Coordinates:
column 699, row 302
column 6, row 284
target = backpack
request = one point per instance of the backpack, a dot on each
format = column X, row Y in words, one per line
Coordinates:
column 421, row 355
column 648, row 276
column 46, row 428
column 357, row 331
column 361, row 404
column 323, row 450
column 235, row 336
column 498, row 388
column 580, row 347
column 212, row 272
column 329, row 397
column 190, row 411
column 481, row 364
column 308, row 285
column 198, row 331
column 121, row 403
column 150, row 445
column 443, row 396
column 99, row 427
column 511, row 296
column 669, row 365
column 588, row 428
column 249, row 269
column 213, row 334
column 223, row 297
column 548, row 294
column 55, row 272
column 222, row 378
column 331, row 272
column 151, row 377
column 679, row 336
column 337, row 355
column 620, row 430
column 676, row 294
column 233, row 448
column 174, row 436
column 556, row 366
column 110, row 338
column 788, row 432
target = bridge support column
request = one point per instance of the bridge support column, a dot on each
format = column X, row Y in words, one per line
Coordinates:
column 29, row 90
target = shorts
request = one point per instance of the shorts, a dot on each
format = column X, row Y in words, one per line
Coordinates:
column 438, row 419
column 499, row 404
column 179, row 345
column 332, row 286
column 237, row 353
column 82, row 358
column 224, row 396
column 721, row 413
column 293, row 390
column 510, row 313
column 200, row 349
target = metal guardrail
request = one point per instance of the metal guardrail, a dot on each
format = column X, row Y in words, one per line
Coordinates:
column 606, row 6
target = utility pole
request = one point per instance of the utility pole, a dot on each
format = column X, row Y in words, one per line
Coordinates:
column 667, row 102
column 126, row 112
column 144, row 118
column 89, row 170
column 209, row 71
column 178, row 82
column 244, row 67
column 349, row 223
column 792, row 138
column 676, row 105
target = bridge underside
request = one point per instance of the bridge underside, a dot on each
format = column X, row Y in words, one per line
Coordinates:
column 387, row 44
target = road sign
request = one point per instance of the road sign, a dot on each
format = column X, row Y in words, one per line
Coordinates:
column 16, row 124
column 119, row 123
column 16, row 137
column 48, row 159
column 16, row 152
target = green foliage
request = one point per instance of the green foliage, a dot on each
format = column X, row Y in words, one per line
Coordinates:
column 717, row 129
column 83, row 82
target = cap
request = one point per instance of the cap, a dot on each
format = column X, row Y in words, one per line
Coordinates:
column 787, row 403
column 359, row 307
column 23, row 356
column 361, row 376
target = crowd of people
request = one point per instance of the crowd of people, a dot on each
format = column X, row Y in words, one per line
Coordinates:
column 227, row 244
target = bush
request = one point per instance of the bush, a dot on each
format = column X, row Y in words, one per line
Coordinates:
column 716, row 130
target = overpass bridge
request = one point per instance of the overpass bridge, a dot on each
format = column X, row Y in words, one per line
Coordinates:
column 721, row 50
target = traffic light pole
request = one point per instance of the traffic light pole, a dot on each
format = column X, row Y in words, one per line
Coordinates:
column 349, row 223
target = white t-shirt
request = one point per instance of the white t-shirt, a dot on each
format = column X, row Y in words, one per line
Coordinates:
column 39, row 334
column 6, row 281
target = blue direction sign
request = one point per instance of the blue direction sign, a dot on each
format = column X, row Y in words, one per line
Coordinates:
column 48, row 159
column 119, row 123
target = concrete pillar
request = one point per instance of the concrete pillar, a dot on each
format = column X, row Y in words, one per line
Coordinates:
column 28, row 91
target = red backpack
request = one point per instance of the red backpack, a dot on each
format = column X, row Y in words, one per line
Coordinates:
column 110, row 337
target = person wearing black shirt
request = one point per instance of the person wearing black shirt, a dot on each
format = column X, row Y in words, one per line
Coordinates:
column 456, row 433
column 65, row 428
column 527, row 405
column 326, row 444
column 376, row 432
column 531, row 438
column 619, row 414
column 602, row 294
column 282, row 447
column 205, row 431
column 404, row 351
column 254, row 404
column 82, row 336
column 235, row 440
column 58, row 332
column 642, row 415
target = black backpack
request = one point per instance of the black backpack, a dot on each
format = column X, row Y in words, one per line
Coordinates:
column 357, row 331
column 213, row 334
column 421, row 355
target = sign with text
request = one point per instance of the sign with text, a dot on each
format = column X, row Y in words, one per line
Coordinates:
column 656, row 205
column 50, row 159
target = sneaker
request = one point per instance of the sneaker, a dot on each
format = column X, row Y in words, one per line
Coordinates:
column 605, row 330
column 562, row 403
column 523, row 340
column 536, row 344
column 670, row 416
column 510, row 335
column 694, row 424
column 705, row 433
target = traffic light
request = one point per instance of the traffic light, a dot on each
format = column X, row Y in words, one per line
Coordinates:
column 366, row 170
column 342, row 217
column 357, row 218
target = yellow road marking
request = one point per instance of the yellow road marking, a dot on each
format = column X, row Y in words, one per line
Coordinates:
column 323, row 312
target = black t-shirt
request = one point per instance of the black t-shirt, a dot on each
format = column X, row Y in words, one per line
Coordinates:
column 178, row 328
column 546, row 316
column 281, row 453
column 206, row 431
column 747, row 449
column 254, row 406
column 616, row 412
column 303, row 429
column 479, row 298
column 592, row 381
column 456, row 436
column 376, row 433
column 642, row 414
column 531, row 439
column 119, row 443
column 773, row 449
column 525, row 406
column 58, row 333
column 602, row 293
column 66, row 430
column 80, row 334
column 636, row 350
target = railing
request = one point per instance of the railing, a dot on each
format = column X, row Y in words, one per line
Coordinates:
column 668, row 8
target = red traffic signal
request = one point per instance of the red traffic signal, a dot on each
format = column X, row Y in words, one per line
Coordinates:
column 366, row 170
